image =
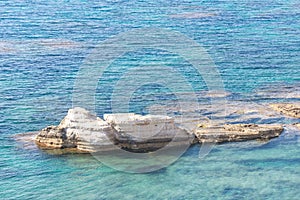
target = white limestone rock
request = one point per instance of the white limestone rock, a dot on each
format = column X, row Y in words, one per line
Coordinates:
column 79, row 129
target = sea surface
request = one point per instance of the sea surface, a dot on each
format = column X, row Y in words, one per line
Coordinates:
column 255, row 48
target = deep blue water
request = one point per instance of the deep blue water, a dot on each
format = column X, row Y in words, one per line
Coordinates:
column 43, row 44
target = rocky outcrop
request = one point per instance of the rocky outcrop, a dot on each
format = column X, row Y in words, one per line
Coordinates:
column 237, row 132
column 292, row 110
column 88, row 133
column 84, row 132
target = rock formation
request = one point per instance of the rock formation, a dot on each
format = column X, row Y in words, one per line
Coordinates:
column 237, row 132
column 88, row 133
column 292, row 110
column 82, row 131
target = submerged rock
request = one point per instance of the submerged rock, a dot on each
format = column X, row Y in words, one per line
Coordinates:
column 237, row 132
column 289, row 109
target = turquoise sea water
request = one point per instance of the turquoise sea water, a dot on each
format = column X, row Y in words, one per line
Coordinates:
column 254, row 44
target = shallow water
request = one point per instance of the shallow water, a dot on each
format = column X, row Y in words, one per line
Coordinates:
column 254, row 44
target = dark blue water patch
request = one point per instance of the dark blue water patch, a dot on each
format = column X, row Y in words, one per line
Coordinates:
column 286, row 185
column 236, row 149
column 144, row 57
column 236, row 193
column 210, row 113
column 269, row 163
column 283, row 141
column 276, row 120
column 6, row 129
column 148, row 95
column 8, row 174
column 232, row 116
column 256, row 120
column 192, row 151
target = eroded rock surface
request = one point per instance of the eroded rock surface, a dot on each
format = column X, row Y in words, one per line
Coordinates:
column 237, row 132
column 292, row 110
